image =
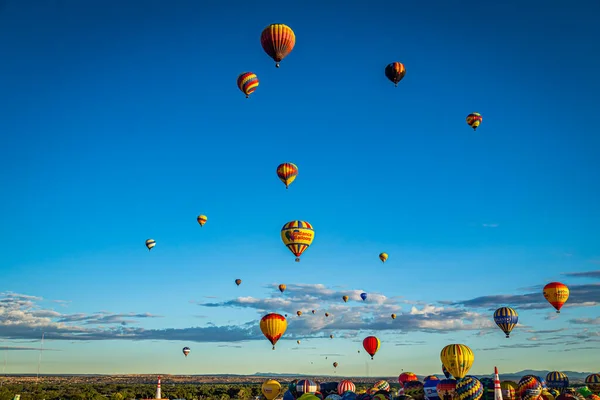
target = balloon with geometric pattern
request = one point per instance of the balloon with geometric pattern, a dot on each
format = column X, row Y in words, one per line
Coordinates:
column 247, row 82
column 287, row 173
column 474, row 120
column 468, row 388
column 297, row 236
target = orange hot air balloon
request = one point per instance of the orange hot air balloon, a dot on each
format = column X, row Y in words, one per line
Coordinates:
column 238, row 282
column 557, row 294
column 277, row 40
column 287, row 173
column 202, row 219
column 345, row 298
column 371, row 345
column 273, row 326
column 393, row 316
column 282, row 288
column 299, row 313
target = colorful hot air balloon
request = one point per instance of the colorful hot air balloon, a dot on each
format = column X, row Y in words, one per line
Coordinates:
column 383, row 257
column 458, row 359
column 407, row 377
column 431, row 378
column 393, row 316
column 238, row 282
column 414, row 389
column 345, row 298
column 371, row 345
column 150, row 243
column 277, row 40
column 593, row 383
column 468, row 388
column 445, row 372
column 506, row 318
column 298, row 313
column 474, row 119
column 556, row 294
column 306, row 386
column 446, row 389
column 282, row 288
column 546, row 395
column 202, row 219
column 529, row 388
column 287, row 173
column 363, row 296
column 395, row 72
column 557, row 380
column 345, row 386
column 297, row 236
column 186, row 351
column 271, row 389
column 273, row 326
column 247, row 82
column 508, row 391
column 430, row 388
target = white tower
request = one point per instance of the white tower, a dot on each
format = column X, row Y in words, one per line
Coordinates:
column 158, row 389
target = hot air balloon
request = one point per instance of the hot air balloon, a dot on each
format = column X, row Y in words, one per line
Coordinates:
column 345, row 386
column 557, row 380
column 407, row 377
column 335, row 364
column 395, row 72
column 202, row 219
column 593, row 383
column 297, row 341
column 488, row 388
column 371, row 345
column 546, row 395
column 446, row 389
column 393, row 316
column 297, row 236
column 445, row 372
column 287, row 173
column 238, row 282
column 363, row 296
column 282, row 288
column 508, row 391
column 273, row 326
column 345, row 298
column 458, row 359
column 431, row 378
column 430, row 388
column 383, row 257
column 474, row 119
column 529, row 388
column 298, row 313
column 150, row 243
column 330, row 336
column 186, row 351
column 327, row 314
column 382, row 385
column 414, row 389
column 313, row 311
column 468, row 388
column 271, row 389
column 277, row 41
column 506, row 318
column 556, row 294
column 306, row 386
column 247, row 82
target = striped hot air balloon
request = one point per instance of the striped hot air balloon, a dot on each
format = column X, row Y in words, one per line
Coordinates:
column 150, row 243
column 345, row 386
column 508, row 390
column 282, row 287
column 382, row 385
column 593, row 383
column 474, row 120
column 186, row 351
column 306, row 386
column 202, row 219
column 414, row 389
column 446, row 389
column 273, row 326
column 395, row 72
column 383, row 257
column 557, row 294
column 458, row 359
column 529, row 388
column 278, row 40
column 247, row 82
column 287, row 173
column 297, row 236
column 506, row 318
column 371, row 345
column 557, row 380
column 468, row 388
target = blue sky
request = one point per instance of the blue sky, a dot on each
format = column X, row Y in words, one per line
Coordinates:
column 123, row 122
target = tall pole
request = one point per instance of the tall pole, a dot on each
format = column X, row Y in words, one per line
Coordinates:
column 37, row 378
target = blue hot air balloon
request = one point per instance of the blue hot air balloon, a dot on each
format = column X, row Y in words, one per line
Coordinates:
column 363, row 296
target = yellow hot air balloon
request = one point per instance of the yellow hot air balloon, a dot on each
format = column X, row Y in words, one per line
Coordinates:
column 297, row 341
column 297, row 236
column 393, row 316
column 271, row 389
column 150, row 243
column 330, row 336
column 383, row 257
column 273, row 326
column 458, row 359
column 345, row 298
column 282, row 288
column 557, row 294
column 299, row 313
column 474, row 120
column 202, row 220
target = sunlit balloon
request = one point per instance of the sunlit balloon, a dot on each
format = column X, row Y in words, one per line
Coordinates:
column 271, row 389
column 297, row 341
column 446, row 389
column 335, row 364
column 247, row 82
column 327, row 314
column 345, row 386
column 508, row 390
column 277, row 40
column 546, row 395
column 474, row 120
column 330, row 336
column 468, row 388
column 395, row 72
column 383, row 257
column 529, row 388
column 506, row 318
column 407, row 377
column 287, row 173
column 297, row 236
column 557, row 380
column 282, row 288
column 593, row 383
column 186, row 351
column 382, row 385
column 273, row 326
column 371, row 345
column 393, row 316
column 458, row 359
column 345, row 298
column 238, row 282
column 298, row 313
column 150, row 243
column 202, row 219
column 557, row 294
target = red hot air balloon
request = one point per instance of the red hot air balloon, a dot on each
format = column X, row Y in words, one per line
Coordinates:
column 371, row 345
